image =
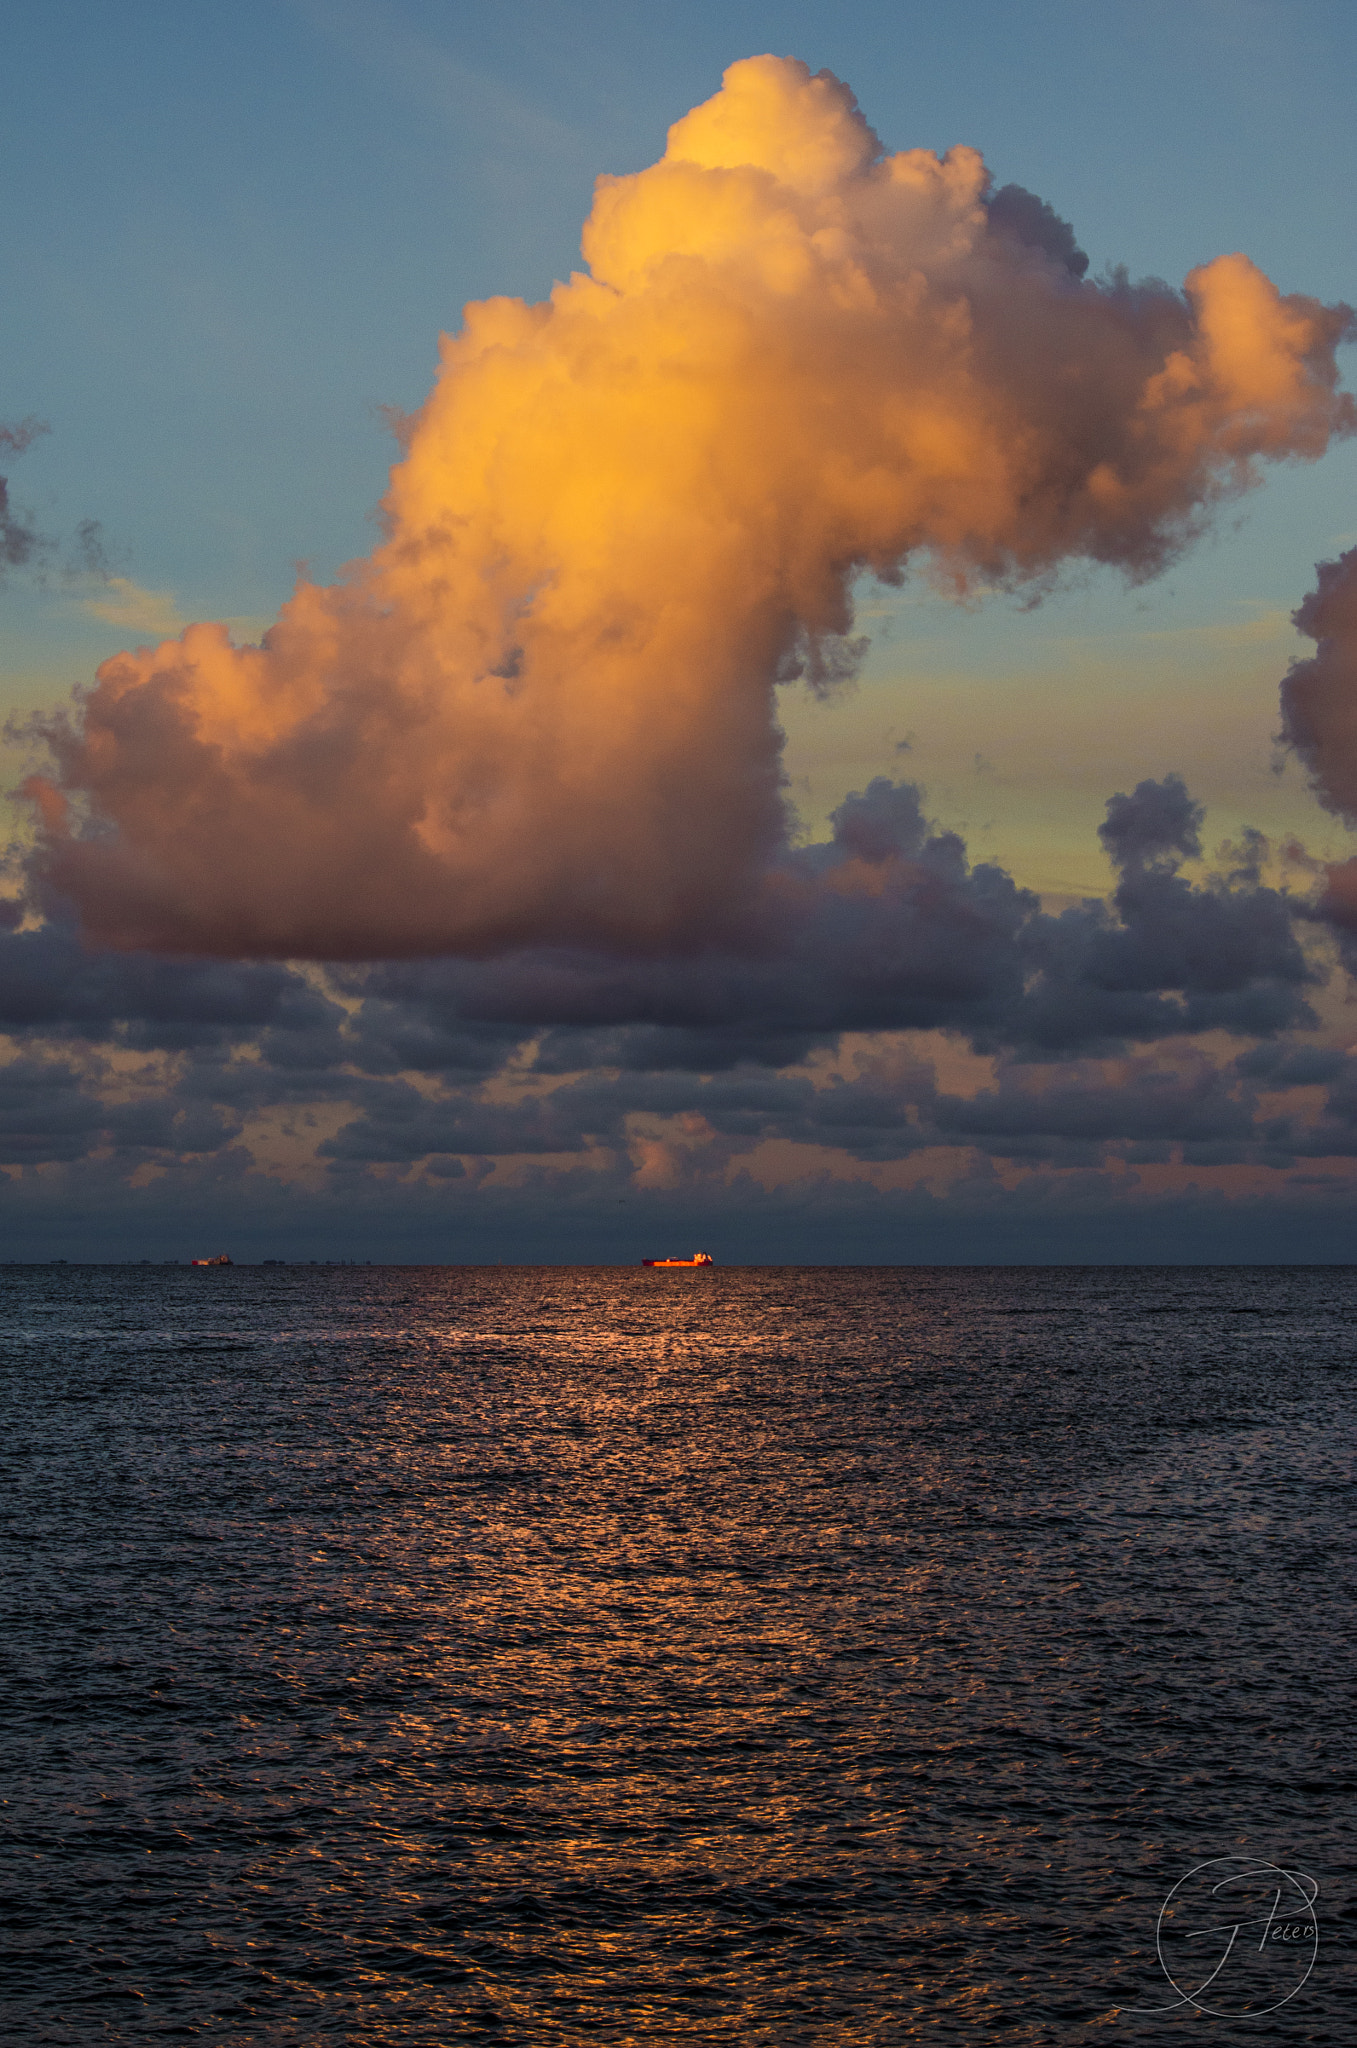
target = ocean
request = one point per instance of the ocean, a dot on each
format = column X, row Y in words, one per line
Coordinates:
column 417, row 1655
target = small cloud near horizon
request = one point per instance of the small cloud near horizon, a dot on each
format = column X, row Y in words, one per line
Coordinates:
column 121, row 602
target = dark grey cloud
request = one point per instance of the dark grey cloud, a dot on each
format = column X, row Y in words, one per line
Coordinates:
column 1177, row 1102
column 1153, row 1108
column 45, row 1112
column 55, row 1110
column 656, row 1048
column 884, row 927
column 1158, row 826
column 1283, row 1065
column 52, row 983
column 442, row 1067
column 392, row 1036
column 1319, row 720
column 1023, row 217
column 1319, row 696
column 1167, row 956
column 401, row 1124
column 407, row 1174
column 21, row 545
column 1191, row 1106
column 887, row 927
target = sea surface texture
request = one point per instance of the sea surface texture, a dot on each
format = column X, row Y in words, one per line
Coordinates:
column 546, row 1655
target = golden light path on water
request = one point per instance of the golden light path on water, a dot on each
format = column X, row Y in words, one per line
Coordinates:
column 777, row 1655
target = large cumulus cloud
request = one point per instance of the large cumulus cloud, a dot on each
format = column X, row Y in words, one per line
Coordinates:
column 542, row 713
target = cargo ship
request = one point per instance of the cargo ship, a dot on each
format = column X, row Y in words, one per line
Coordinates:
column 697, row 1259
column 222, row 1259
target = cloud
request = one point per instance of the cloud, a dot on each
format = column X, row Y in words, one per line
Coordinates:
column 542, row 714
column 50, row 984
column 20, row 542
column 45, row 1113
column 23, row 547
column 385, row 1089
column 887, row 926
column 1157, row 828
column 1319, row 695
column 1166, row 955
column 124, row 603
column 1191, row 1103
column 1034, row 224
column 51, row 1111
column 22, row 434
column 1319, row 720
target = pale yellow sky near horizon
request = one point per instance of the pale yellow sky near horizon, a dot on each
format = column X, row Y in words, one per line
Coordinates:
column 1019, row 749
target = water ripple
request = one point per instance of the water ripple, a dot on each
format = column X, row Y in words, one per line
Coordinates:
column 401, row 1656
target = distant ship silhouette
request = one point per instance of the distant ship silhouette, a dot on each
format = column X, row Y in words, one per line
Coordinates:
column 697, row 1259
column 222, row 1259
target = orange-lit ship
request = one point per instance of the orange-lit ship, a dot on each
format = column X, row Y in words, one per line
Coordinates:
column 697, row 1259
column 222, row 1259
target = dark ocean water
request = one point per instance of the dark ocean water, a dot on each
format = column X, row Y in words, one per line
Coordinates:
column 754, row 1656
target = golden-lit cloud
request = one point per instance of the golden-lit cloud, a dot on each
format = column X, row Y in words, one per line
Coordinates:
column 543, row 711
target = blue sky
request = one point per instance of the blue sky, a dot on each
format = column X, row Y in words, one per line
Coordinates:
column 234, row 235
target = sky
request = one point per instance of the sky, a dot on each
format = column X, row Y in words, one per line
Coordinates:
column 807, row 753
